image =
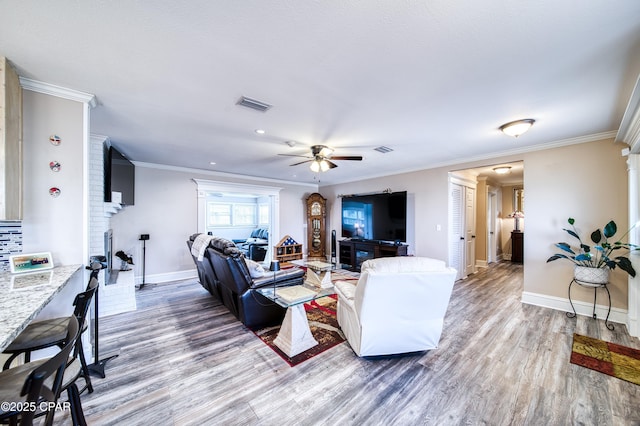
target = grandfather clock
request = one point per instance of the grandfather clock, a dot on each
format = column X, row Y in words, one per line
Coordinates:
column 316, row 227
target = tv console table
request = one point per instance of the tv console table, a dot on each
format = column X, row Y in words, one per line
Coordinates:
column 354, row 252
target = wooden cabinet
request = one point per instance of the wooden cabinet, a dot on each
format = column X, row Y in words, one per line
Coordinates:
column 10, row 143
column 287, row 250
column 517, row 247
column 353, row 253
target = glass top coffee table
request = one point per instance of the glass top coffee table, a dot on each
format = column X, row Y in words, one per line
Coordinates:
column 318, row 272
column 295, row 335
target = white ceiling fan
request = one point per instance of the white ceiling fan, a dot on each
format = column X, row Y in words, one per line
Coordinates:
column 321, row 158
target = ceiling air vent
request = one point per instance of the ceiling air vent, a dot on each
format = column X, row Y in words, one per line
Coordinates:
column 383, row 149
column 253, row 104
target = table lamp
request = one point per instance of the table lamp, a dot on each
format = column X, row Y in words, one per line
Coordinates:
column 517, row 215
column 275, row 267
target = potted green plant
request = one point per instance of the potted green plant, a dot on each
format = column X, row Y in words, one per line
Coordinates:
column 592, row 264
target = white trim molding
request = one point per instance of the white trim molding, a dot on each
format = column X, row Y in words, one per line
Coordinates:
column 224, row 175
column 582, row 308
column 168, row 277
column 209, row 186
column 58, row 91
column 633, row 287
column 629, row 131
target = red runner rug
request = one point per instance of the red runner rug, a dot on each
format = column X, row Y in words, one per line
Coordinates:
column 608, row 358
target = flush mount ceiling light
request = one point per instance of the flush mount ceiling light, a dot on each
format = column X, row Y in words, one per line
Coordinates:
column 518, row 127
column 502, row 170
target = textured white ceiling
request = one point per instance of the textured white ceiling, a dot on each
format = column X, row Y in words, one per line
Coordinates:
column 433, row 80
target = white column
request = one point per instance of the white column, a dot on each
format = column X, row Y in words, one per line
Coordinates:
column 633, row 163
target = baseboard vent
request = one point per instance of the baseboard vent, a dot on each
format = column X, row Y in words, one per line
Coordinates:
column 253, row 104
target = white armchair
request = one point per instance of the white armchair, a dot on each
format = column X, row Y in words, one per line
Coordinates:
column 397, row 306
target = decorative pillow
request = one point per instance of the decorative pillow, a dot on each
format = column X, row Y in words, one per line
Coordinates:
column 255, row 269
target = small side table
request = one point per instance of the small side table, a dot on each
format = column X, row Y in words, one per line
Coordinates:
column 517, row 246
column 295, row 335
column 595, row 288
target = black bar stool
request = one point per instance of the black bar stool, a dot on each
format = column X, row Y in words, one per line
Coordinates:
column 53, row 332
column 30, row 389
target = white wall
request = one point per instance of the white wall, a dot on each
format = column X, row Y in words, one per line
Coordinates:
column 166, row 209
column 586, row 181
column 54, row 224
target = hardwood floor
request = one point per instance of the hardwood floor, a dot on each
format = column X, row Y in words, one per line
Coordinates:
column 184, row 359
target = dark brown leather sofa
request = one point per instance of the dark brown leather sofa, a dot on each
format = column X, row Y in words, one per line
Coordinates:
column 224, row 273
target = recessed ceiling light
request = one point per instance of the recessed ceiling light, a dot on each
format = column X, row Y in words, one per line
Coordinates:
column 260, row 131
column 213, row 163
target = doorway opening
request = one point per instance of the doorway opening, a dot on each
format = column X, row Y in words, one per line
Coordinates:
column 482, row 216
column 232, row 210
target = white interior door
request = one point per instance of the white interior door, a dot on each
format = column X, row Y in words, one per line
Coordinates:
column 456, row 229
column 492, row 211
column 470, row 230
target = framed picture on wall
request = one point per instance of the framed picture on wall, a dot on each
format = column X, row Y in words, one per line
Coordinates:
column 19, row 263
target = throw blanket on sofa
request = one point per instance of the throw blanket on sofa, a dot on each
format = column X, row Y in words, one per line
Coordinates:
column 200, row 244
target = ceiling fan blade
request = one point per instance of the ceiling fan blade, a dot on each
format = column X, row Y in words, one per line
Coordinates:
column 347, row 157
column 301, row 162
column 295, row 155
column 331, row 165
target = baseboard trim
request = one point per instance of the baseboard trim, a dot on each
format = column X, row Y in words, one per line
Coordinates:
column 166, row 277
column 582, row 308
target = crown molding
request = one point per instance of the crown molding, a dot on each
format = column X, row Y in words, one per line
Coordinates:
column 60, row 92
column 629, row 131
column 222, row 174
column 489, row 157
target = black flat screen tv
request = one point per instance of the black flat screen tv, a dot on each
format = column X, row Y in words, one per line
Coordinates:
column 379, row 217
column 119, row 176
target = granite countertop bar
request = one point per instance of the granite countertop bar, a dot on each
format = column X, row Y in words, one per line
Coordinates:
column 23, row 296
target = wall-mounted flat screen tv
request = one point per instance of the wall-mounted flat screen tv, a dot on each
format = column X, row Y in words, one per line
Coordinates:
column 380, row 217
column 119, row 176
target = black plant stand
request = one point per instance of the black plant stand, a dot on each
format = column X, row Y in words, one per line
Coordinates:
column 595, row 294
column 98, row 366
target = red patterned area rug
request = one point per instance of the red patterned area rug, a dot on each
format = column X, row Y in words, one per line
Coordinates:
column 323, row 323
column 324, row 327
column 608, row 358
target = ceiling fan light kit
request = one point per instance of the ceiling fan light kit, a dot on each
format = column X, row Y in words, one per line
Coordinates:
column 518, row 127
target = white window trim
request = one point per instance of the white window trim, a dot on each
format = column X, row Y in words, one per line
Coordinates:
column 207, row 186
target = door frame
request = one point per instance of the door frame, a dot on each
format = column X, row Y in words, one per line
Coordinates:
column 465, row 183
column 492, row 224
column 207, row 186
